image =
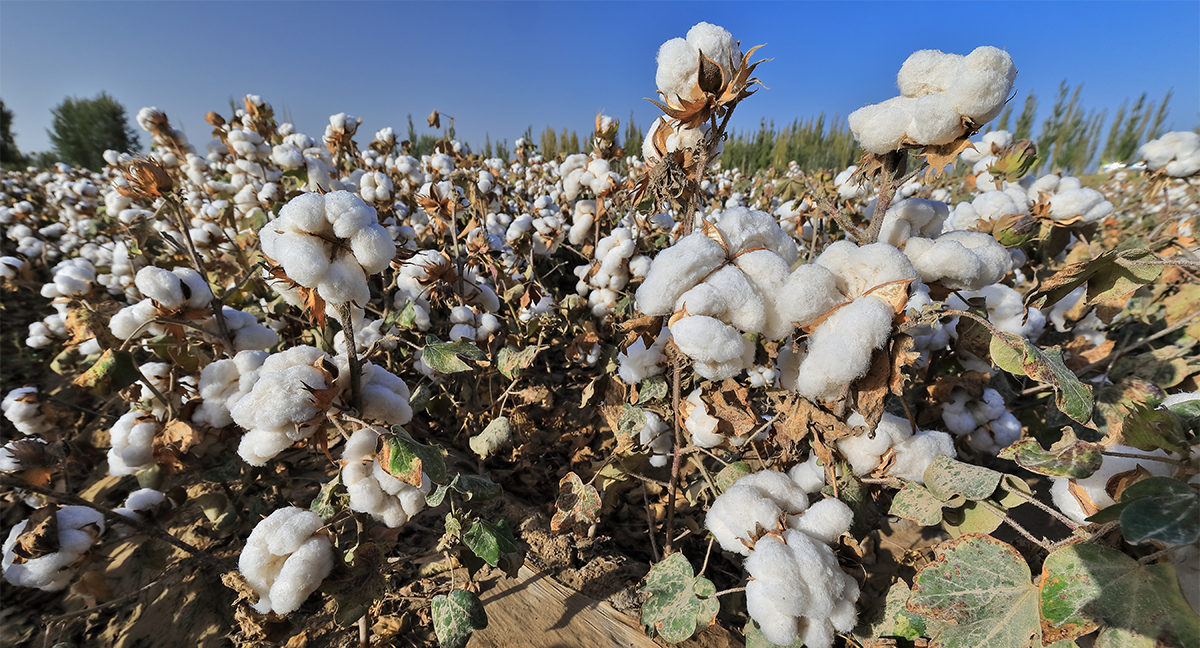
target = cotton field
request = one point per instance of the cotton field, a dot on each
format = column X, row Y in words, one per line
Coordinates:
column 359, row 385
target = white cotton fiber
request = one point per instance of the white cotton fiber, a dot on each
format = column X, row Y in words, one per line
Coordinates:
column 676, row 74
column 915, row 454
column 1082, row 202
column 372, row 490
column 824, row 520
column 737, row 513
column 639, row 362
column 982, row 83
column 160, row 285
column 283, row 561
column 78, row 528
column 934, row 120
column 700, row 424
column 839, row 350
column 860, row 269
column 879, row 128
column 926, row 72
column 810, row 475
column 675, row 270
column 960, row 260
column 655, row 436
column 779, row 488
column 749, row 228
column 1177, row 154
column 913, row 217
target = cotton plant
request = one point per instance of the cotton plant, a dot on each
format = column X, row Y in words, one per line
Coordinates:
column 372, row 489
column 78, row 528
column 797, row 590
column 942, row 96
column 285, row 559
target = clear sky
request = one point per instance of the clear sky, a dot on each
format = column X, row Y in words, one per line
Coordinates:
column 500, row 67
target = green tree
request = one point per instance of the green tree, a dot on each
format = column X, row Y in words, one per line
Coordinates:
column 1025, row 119
column 85, row 128
column 10, row 155
column 549, row 143
column 633, row 137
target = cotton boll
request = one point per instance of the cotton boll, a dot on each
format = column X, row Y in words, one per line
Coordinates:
column 373, row 248
column 372, row 490
column 160, row 285
column 934, row 120
column 78, row 528
column 839, row 350
column 926, row 72
column 913, row 217
column 1094, row 487
column 283, row 561
column 960, row 260
column 859, row 269
column 880, row 128
column 779, row 488
column 810, row 475
column 777, row 594
column 915, row 454
column 655, row 436
column 726, row 294
column 700, row 424
column 344, row 282
column 709, row 340
column 749, row 228
column 132, row 438
column 735, row 515
column 1084, row 202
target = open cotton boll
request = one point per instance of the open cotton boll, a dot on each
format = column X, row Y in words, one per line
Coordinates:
column 1094, row 487
column 736, row 515
column 810, row 475
column 982, row 83
column 879, row 128
column 655, row 437
column 1177, row 154
column 638, row 362
column 283, row 561
column 142, row 501
column 845, row 189
column 384, row 394
column 825, row 520
column 913, row 217
column 280, row 404
column 701, row 425
column 223, row 383
column 839, row 350
column 914, row 454
column 718, row 349
column 859, row 269
column 987, row 425
column 776, row 594
column 960, row 260
column 864, row 450
column 78, row 529
column 728, row 295
column 1082, row 202
column 372, row 490
column 132, row 440
column 926, row 72
column 745, row 228
column 23, row 409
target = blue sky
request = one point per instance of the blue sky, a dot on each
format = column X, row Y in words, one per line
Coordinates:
column 500, row 67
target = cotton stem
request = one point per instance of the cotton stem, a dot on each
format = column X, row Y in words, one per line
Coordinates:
column 893, row 165
column 218, row 306
column 676, row 456
column 346, row 314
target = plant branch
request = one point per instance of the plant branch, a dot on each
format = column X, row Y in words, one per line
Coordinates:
column 346, row 314
column 148, row 529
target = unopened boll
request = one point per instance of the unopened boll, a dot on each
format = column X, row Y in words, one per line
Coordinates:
column 78, row 529
column 285, row 559
column 302, row 240
column 1177, row 154
column 372, row 489
column 985, row 422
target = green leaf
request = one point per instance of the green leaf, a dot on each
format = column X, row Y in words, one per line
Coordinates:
column 494, row 438
column 675, row 607
column 437, row 495
column 1153, row 429
column 331, row 499
column 1161, row 509
column 652, row 389
column 355, row 587
column 981, row 587
column 946, row 477
column 915, row 502
column 730, row 474
column 114, row 371
column 1068, row 457
column 577, row 503
column 1085, row 586
column 476, row 488
column 446, row 357
column 974, row 517
column 891, row 619
column 405, row 459
column 455, row 616
column 420, row 397
column 511, row 361
column 631, row 421
column 490, row 541
column 1019, row 356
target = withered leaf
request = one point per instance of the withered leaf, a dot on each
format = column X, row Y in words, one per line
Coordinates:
column 646, row 327
column 886, row 375
column 798, row 417
column 40, row 537
column 731, row 407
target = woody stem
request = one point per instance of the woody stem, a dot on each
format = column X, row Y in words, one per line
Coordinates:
column 346, row 314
